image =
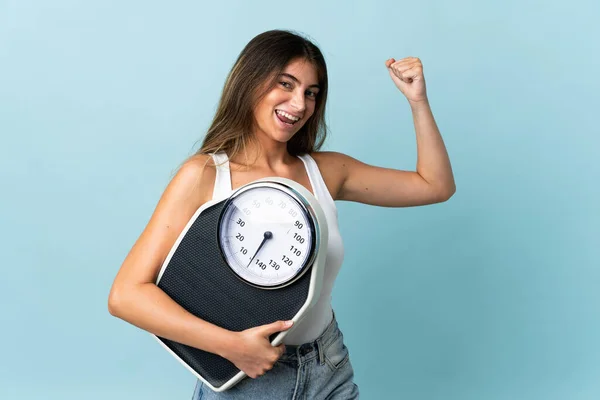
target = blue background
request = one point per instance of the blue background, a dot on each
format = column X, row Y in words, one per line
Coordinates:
column 491, row 295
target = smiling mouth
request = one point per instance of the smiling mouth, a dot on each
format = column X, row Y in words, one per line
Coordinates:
column 286, row 118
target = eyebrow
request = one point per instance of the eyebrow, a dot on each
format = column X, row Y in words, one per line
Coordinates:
column 292, row 77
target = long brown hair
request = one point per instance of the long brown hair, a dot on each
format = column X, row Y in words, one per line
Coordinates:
column 257, row 66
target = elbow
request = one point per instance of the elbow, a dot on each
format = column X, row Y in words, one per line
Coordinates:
column 123, row 299
column 447, row 193
column 115, row 302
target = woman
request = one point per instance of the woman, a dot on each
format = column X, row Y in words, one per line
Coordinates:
column 271, row 122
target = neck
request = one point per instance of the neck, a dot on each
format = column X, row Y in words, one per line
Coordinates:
column 264, row 152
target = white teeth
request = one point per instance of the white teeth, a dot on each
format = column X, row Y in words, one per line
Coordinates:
column 293, row 118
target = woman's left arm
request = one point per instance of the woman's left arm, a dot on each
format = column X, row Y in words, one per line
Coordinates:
column 432, row 182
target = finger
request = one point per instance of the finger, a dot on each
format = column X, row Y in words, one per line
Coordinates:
column 277, row 326
column 401, row 71
column 281, row 348
column 389, row 62
column 408, row 74
column 402, row 66
column 399, row 74
column 260, row 372
column 408, row 60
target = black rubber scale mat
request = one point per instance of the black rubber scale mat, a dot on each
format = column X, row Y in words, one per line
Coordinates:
column 198, row 279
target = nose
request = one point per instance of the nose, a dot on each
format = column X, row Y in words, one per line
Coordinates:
column 298, row 102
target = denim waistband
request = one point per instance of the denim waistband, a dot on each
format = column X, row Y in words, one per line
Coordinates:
column 307, row 351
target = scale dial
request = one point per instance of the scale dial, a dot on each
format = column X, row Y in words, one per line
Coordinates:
column 267, row 234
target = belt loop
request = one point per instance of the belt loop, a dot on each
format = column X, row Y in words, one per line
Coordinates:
column 319, row 344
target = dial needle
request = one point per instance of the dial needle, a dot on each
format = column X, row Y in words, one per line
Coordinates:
column 267, row 235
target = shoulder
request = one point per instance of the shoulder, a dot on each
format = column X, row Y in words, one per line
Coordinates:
column 197, row 166
column 330, row 158
column 197, row 163
column 334, row 169
column 194, row 180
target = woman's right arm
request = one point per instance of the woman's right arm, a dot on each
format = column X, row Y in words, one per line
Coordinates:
column 135, row 298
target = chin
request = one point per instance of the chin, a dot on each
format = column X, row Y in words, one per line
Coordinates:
column 282, row 137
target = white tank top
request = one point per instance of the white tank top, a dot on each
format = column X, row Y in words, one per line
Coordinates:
column 320, row 315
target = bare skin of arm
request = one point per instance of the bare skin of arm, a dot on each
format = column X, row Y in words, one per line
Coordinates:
column 432, row 182
column 135, row 298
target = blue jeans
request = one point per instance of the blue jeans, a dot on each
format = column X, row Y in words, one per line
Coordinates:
column 315, row 370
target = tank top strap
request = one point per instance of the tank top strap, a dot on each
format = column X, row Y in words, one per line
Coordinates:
column 222, row 187
column 316, row 180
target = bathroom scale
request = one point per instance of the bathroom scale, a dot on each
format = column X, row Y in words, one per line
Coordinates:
column 250, row 259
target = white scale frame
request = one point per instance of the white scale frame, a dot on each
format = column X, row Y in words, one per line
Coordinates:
column 304, row 197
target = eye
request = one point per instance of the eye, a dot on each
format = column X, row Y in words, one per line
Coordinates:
column 285, row 84
column 312, row 94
